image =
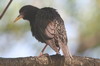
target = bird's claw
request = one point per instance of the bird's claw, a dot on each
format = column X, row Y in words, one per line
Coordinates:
column 41, row 54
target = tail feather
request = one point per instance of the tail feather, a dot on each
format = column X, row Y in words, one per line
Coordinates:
column 65, row 50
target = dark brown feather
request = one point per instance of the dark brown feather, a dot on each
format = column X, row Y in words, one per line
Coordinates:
column 51, row 29
column 48, row 27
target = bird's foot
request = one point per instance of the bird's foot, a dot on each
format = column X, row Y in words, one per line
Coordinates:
column 57, row 53
column 41, row 54
column 46, row 54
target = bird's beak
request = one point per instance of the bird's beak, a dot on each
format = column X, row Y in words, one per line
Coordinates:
column 19, row 17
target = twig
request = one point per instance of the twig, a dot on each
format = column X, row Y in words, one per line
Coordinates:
column 5, row 9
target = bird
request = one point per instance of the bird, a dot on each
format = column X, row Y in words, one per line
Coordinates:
column 47, row 27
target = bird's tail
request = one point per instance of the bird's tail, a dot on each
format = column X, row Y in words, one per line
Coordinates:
column 65, row 50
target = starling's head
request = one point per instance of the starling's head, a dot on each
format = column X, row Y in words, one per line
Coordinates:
column 27, row 12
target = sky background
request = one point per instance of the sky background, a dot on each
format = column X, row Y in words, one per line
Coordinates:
column 82, row 22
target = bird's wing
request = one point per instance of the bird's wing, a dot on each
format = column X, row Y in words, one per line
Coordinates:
column 52, row 27
column 43, row 17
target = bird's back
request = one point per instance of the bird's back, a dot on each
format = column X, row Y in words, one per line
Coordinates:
column 43, row 17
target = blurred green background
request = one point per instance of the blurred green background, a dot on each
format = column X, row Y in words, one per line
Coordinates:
column 82, row 21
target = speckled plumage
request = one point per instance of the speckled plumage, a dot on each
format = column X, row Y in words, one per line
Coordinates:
column 47, row 26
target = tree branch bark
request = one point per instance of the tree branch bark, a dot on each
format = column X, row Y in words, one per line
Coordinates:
column 54, row 60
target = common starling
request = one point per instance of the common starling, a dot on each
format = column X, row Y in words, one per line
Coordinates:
column 47, row 27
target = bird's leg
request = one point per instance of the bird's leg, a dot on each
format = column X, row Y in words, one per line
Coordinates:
column 58, row 51
column 43, row 50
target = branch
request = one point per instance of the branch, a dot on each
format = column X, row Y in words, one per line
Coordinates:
column 54, row 60
column 5, row 9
